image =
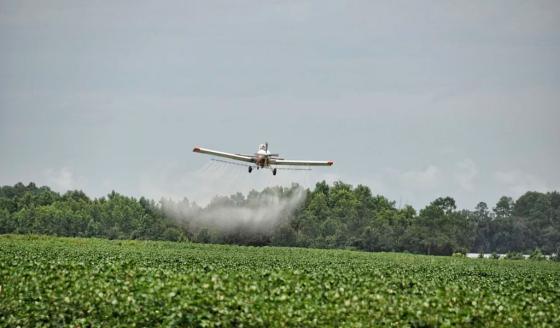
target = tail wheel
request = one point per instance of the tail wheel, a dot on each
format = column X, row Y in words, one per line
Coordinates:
column 273, row 171
column 250, row 169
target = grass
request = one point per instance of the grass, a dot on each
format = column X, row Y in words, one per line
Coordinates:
column 92, row 282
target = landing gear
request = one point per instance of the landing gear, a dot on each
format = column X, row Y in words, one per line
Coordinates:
column 250, row 169
column 274, row 171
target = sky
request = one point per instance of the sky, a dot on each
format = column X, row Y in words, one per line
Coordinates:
column 415, row 99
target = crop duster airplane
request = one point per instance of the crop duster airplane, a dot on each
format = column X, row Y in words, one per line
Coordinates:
column 262, row 159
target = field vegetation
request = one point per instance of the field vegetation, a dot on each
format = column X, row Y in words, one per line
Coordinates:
column 83, row 282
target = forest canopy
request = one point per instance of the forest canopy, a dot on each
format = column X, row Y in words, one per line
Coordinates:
column 329, row 216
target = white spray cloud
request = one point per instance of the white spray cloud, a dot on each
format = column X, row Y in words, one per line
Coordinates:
column 258, row 212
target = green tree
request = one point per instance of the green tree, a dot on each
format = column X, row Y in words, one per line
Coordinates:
column 482, row 220
column 7, row 225
column 504, row 207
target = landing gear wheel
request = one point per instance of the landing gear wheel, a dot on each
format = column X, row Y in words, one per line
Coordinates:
column 273, row 171
column 250, row 169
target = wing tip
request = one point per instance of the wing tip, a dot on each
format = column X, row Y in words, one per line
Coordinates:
column 196, row 149
column 330, row 163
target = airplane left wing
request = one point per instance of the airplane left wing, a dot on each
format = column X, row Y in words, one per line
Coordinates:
column 238, row 157
column 300, row 163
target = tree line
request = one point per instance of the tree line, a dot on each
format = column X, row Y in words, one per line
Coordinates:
column 329, row 216
column 39, row 210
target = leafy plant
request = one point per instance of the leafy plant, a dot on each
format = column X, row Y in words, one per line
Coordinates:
column 537, row 255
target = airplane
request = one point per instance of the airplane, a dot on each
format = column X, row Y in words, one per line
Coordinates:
column 263, row 158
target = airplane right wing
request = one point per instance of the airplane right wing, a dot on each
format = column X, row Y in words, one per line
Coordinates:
column 238, row 157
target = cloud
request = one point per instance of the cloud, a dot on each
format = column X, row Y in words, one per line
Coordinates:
column 518, row 182
column 62, row 179
column 419, row 186
column 425, row 179
column 465, row 173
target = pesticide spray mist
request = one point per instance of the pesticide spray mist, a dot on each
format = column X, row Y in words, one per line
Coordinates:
column 258, row 214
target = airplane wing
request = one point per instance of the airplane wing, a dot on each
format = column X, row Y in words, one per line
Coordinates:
column 300, row 163
column 238, row 157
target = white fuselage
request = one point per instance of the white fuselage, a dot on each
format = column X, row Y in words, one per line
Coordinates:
column 262, row 155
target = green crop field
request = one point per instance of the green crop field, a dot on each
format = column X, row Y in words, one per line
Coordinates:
column 91, row 282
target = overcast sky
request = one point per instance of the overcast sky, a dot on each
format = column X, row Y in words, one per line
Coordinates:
column 416, row 99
